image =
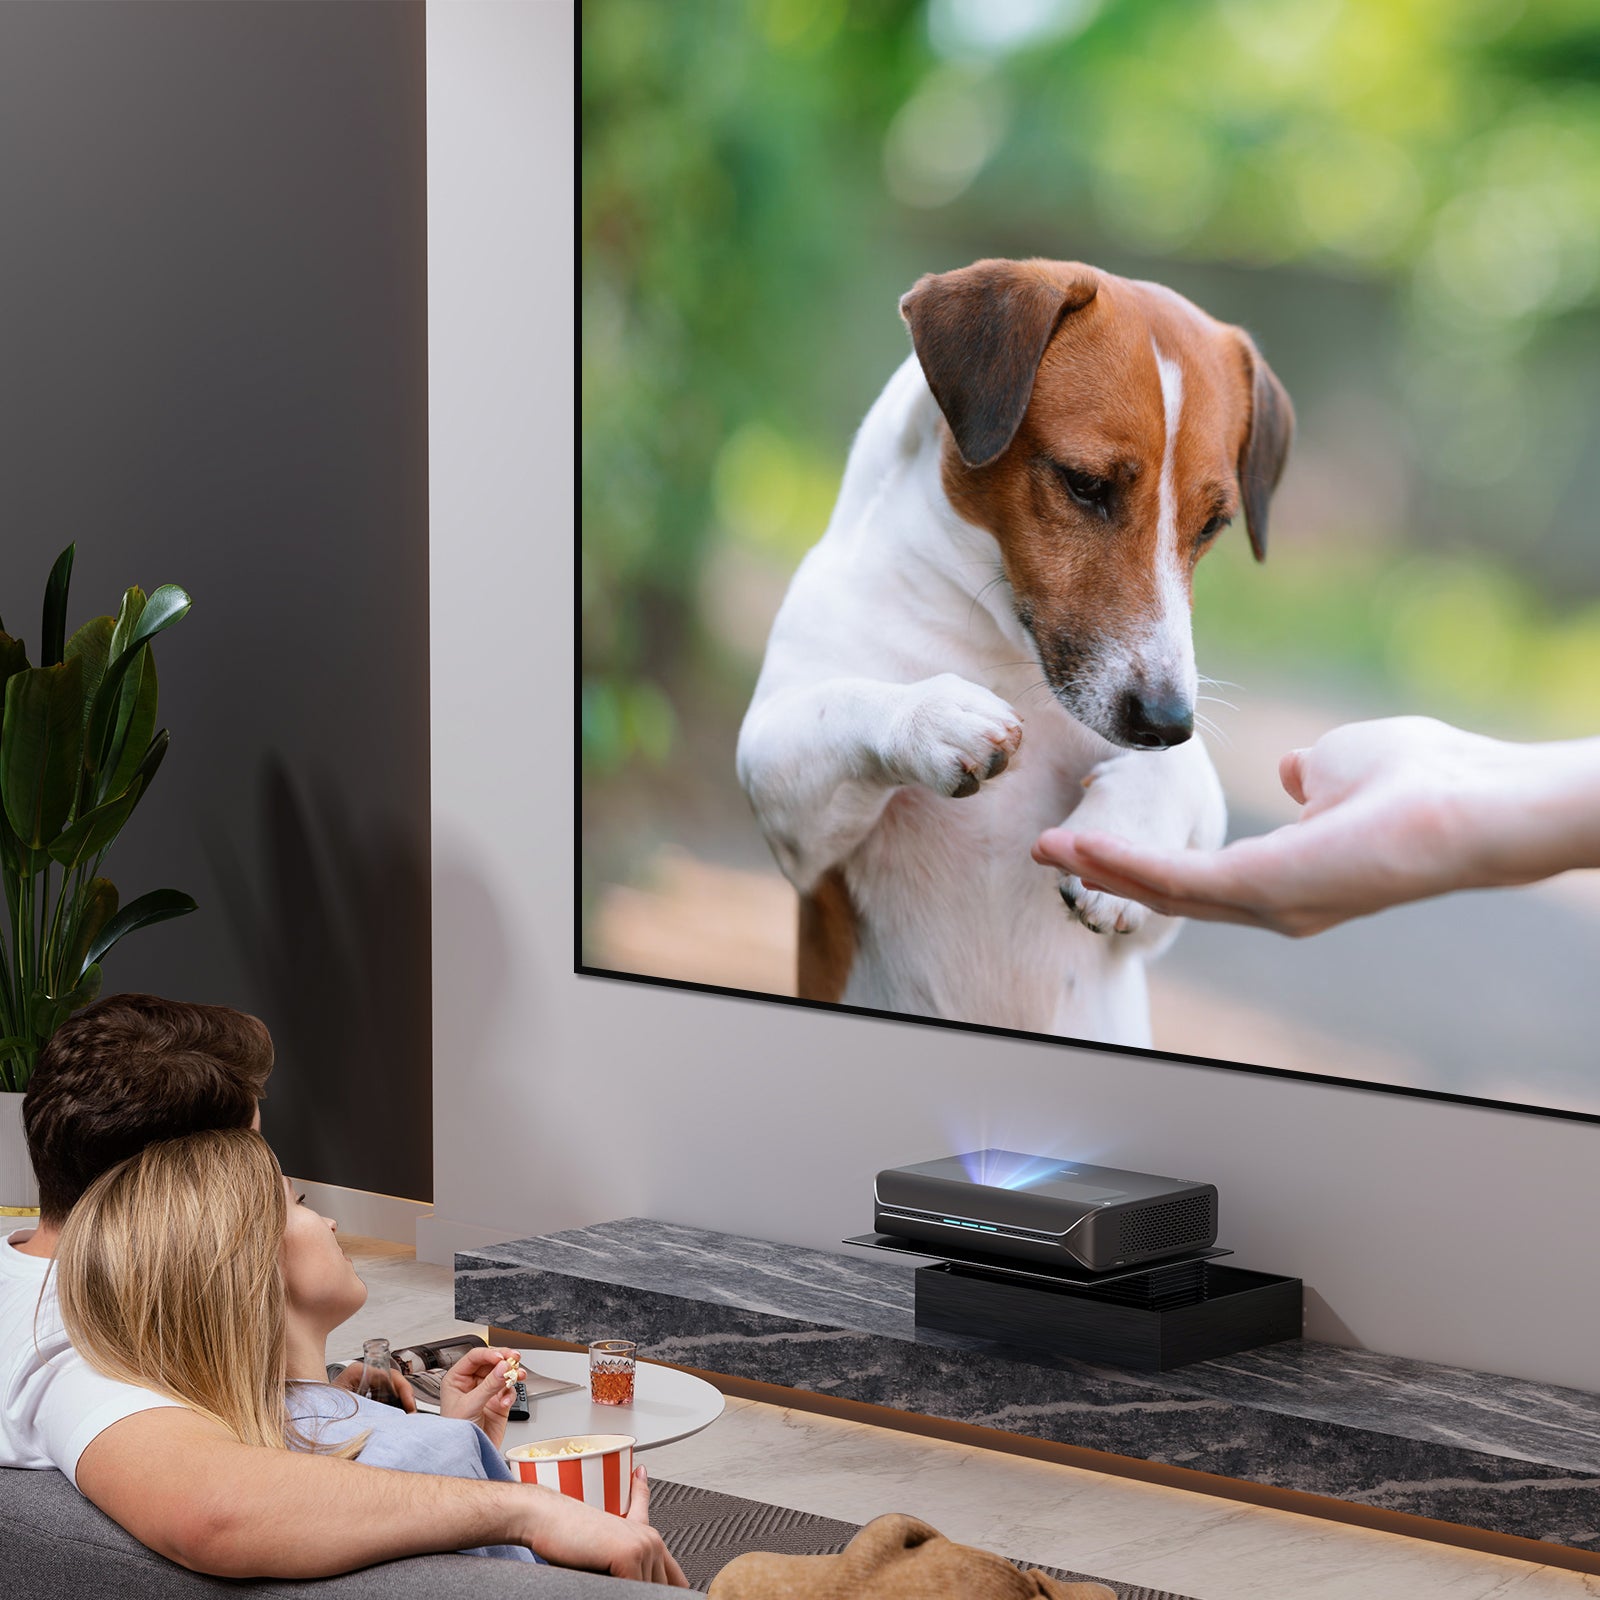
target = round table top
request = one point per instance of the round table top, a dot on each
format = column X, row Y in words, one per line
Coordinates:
column 667, row 1404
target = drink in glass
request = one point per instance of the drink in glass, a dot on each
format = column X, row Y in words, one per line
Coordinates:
column 611, row 1372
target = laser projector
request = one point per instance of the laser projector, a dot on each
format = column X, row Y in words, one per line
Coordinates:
column 1036, row 1208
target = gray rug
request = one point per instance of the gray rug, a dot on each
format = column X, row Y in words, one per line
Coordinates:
column 706, row 1530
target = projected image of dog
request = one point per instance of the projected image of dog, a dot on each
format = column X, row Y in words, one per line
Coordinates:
column 993, row 635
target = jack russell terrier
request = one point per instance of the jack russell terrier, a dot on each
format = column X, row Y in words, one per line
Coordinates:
column 994, row 633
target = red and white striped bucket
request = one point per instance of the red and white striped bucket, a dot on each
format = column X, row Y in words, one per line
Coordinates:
column 600, row 1473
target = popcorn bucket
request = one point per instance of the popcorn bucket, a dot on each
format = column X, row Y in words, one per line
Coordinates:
column 596, row 1468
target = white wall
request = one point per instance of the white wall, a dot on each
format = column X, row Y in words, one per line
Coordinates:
column 1432, row 1230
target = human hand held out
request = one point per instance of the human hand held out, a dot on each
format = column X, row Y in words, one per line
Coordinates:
column 475, row 1388
column 1393, row 810
column 568, row 1533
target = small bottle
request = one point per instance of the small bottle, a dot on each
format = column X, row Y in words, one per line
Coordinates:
column 377, row 1374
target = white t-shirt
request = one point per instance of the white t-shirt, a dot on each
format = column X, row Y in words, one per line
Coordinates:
column 52, row 1402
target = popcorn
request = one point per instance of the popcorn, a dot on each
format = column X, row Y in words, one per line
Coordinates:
column 573, row 1447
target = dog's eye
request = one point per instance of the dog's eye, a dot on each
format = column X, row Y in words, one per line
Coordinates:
column 1092, row 493
column 1211, row 530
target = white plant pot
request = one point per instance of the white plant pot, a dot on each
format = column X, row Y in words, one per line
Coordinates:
column 18, row 1190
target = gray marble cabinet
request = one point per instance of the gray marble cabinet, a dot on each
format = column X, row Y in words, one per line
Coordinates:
column 1439, row 1442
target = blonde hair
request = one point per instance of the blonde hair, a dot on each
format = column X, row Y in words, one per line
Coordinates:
column 170, row 1278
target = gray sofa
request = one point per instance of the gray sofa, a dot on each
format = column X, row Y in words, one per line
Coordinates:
column 54, row 1545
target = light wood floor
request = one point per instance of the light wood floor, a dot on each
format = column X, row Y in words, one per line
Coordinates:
column 1058, row 1516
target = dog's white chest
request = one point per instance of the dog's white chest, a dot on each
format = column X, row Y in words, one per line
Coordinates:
column 955, row 919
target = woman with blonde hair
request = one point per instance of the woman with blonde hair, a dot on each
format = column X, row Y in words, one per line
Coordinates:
column 192, row 1270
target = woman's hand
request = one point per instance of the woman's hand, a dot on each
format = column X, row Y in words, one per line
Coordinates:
column 1394, row 810
column 350, row 1378
column 475, row 1388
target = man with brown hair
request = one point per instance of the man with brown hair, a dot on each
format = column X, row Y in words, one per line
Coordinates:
column 128, row 1071
column 116, row 1077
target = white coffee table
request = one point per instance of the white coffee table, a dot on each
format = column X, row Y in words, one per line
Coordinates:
column 667, row 1404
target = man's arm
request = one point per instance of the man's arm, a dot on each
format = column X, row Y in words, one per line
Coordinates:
column 181, row 1485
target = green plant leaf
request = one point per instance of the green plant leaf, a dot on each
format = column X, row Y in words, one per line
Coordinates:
column 53, row 633
column 154, row 755
column 128, row 614
column 13, row 659
column 167, row 605
column 92, row 643
column 94, row 830
column 103, row 706
column 49, row 1011
column 13, row 656
column 85, row 992
column 135, row 723
column 21, row 1051
column 138, row 623
column 40, row 748
column 97, row 905
column 157, row 906
column 46, row 1014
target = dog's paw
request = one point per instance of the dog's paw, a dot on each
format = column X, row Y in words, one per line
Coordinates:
column 1098, row 911
column 953, row 737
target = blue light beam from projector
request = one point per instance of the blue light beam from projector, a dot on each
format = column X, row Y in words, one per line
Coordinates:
column 1009, row 1169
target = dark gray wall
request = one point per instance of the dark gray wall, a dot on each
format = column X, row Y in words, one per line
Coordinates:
column 213, row 371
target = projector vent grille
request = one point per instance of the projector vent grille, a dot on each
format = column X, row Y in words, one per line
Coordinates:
column 1166, row 1227
column 945, row 1219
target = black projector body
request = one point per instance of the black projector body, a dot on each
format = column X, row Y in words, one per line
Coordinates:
column 1033, row 1208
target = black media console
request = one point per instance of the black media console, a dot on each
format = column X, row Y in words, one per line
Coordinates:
column 1149, row 1319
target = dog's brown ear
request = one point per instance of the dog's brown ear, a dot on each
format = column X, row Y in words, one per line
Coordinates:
column 888, row 1536
column 1266, row 445
column 980, row 333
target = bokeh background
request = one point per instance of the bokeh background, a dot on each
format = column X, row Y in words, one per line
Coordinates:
column 1399, row 198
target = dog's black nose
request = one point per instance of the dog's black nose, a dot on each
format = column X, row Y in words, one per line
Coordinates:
column 1156, row 722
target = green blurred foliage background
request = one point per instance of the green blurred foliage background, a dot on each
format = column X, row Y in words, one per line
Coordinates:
column 1400, row 198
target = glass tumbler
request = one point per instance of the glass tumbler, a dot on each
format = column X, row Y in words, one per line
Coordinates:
column 611, row 1372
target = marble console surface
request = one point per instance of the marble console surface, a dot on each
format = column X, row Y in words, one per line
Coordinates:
column 1496, row 1453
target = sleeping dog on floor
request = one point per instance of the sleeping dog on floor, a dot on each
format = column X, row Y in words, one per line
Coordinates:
column 993, row 635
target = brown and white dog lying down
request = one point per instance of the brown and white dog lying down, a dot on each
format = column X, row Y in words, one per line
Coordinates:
column 894, row 1558
column 994, row 634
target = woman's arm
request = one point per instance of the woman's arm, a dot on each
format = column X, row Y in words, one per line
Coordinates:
column 1394, row 810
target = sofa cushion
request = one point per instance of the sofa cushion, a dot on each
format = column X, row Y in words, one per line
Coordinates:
column 55, row 1545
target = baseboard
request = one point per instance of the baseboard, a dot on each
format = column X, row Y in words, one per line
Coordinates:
column 359, row 1211
column 438, row 1238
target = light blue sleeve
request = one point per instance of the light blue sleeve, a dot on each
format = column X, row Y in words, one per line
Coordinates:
column 448, row 1446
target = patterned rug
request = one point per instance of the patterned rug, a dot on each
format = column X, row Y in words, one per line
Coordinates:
column 706, row 1530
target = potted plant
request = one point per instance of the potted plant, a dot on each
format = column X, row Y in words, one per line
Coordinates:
column 78, row 750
